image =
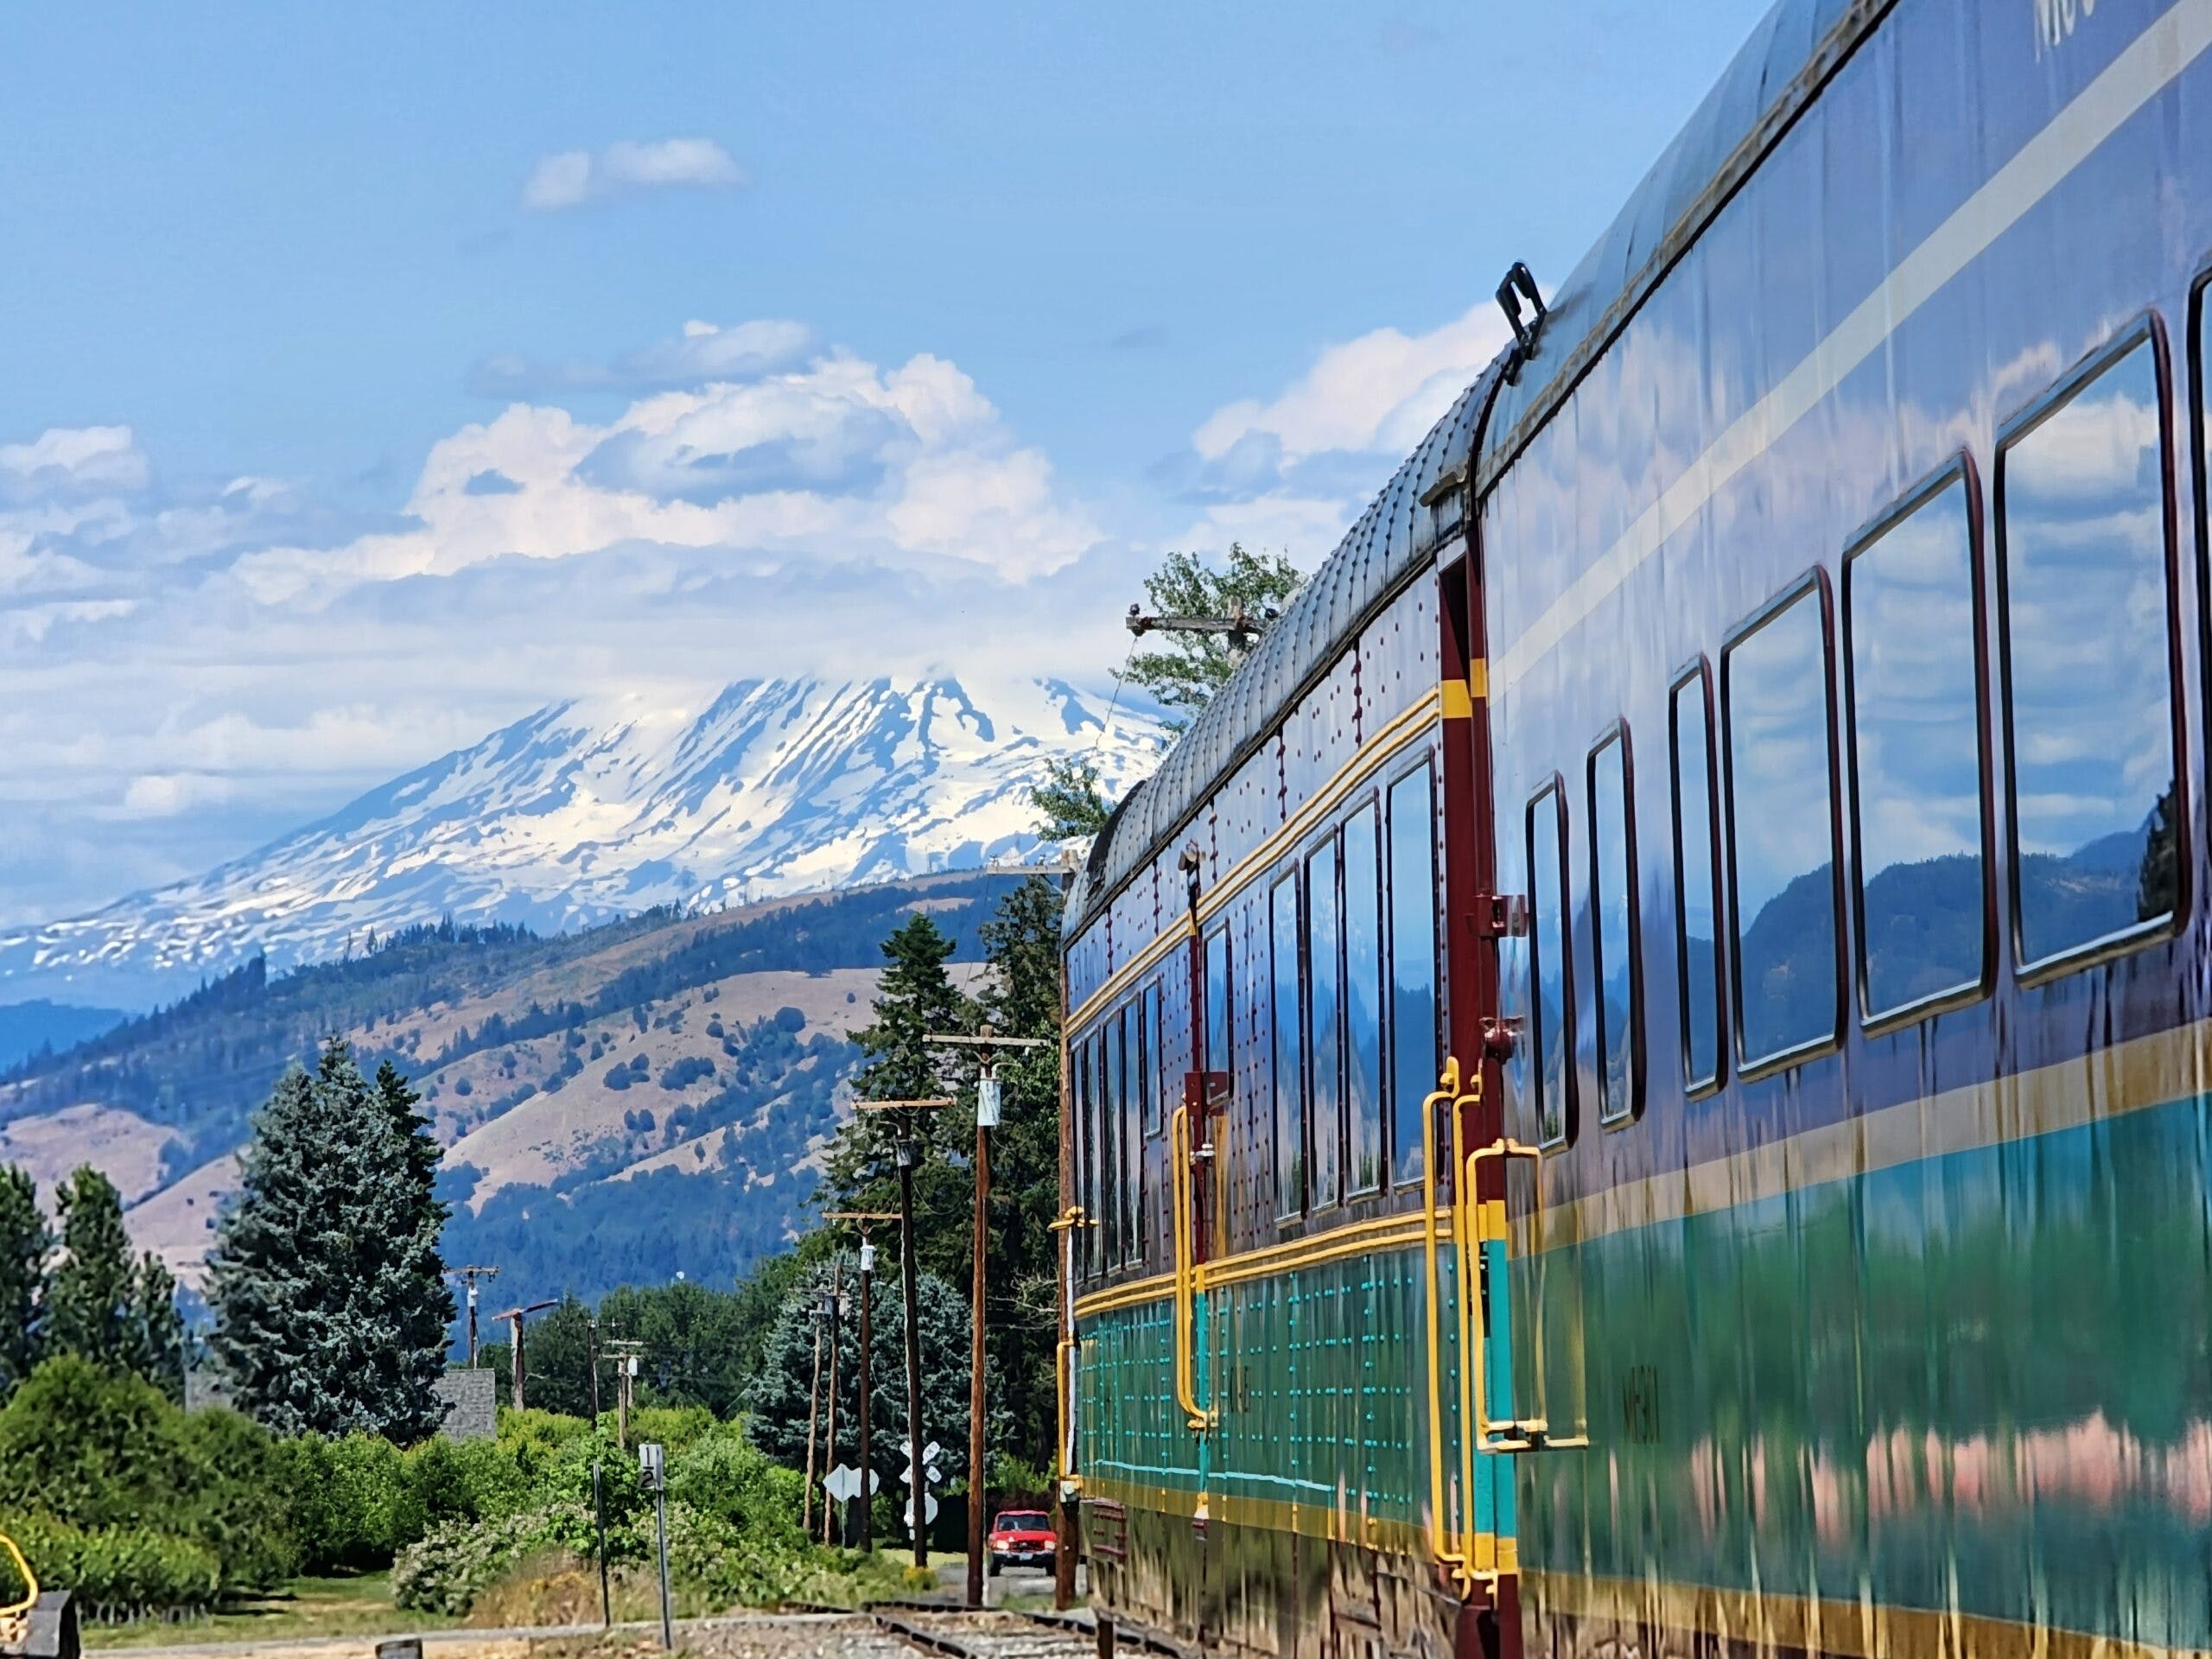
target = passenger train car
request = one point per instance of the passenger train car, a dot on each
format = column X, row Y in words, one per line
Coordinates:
column 1638, row 1081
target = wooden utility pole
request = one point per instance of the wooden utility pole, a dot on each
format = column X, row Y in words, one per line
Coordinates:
column 829, row 1454
column 906, row 1150
column 470, row 1275
column 868, row 1372
column 813, row 1422
column 514, row 1317
column 625, row 1353
column 987, row 1117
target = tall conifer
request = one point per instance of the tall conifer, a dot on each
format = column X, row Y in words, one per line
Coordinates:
column 330, row 1297
column 25, row 1244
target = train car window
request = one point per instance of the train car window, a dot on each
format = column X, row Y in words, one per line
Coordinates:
column 1132, row 1134
column 1414, row 1062
column 2084, row 600
column 1287, row 1016
column 1109, row 1140
column 1218, row 1057
column 1614, row 933
column 1324, row 1025
column 1911, row 648
column 1086, row 1141
column 1150, row 1043
column 1363, row 866
column 1144, row 1083
column 1547, row 966
column 1775, row 700
column 1697, row 879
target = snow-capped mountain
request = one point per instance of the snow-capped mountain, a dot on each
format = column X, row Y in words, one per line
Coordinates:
column 579, row 814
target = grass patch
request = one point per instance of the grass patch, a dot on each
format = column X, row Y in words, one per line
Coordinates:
column 357, row 1605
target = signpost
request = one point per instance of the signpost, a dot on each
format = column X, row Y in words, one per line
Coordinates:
column 653, row 1469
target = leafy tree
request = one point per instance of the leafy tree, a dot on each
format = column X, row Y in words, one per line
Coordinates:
column 783, row 1391
column 25, row 1244
column 1186, row 668
column 330, row 1296
column 100, row 1304
column 1070, row 804
column 1182, row 673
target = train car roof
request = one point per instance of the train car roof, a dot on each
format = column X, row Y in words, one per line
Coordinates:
column 1396, row 536
column 1779, row 71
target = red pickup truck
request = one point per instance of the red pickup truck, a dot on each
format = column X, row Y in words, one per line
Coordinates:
column 1020, row 1537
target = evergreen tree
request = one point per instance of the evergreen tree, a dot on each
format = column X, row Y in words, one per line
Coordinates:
column 1021, row 944
column 330, row 1296
column 92, row 1300
column 777, row 1402
column 400, row 1101
column 25, row 1244
column 915, row 997
column 157, row 1327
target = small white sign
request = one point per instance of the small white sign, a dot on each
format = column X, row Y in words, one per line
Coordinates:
column 986, row 1103
column 650, row 1464
column 843, row 1483
column 907, row 1514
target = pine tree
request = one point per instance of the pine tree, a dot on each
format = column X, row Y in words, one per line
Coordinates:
column 1021, row 945
column 157, row 1327
column 915, row 997
column 92, row 1301
column 400, row 1101
column 25, row 1244
column 778, row 1400
column 330, row 1296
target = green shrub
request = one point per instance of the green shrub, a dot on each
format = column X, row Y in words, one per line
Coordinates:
column 96, row 1455
column 446, row 1569
column 120, row 1572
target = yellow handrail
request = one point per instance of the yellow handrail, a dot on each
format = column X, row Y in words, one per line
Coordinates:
column 1179, row 1154
column 17, row 1609
column 1475, row 1568
column 1520, row 1433
column 1440, row 1533
column 1067, row 1352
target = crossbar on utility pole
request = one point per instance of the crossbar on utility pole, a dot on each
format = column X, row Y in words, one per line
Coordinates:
column 906, row 1149
column 514, row 1317
column 469, row 1275
column 986, row 1042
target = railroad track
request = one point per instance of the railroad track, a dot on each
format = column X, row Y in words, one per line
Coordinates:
column 956, row 1633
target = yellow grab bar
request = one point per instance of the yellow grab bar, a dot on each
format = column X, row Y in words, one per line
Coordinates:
column 1186, row 1273
column 1522, row 1434
column 1471, row 1355
column 1447, row 1087
column 1069, row 1352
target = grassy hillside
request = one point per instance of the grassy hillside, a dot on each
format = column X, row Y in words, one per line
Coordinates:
column 618, row 1104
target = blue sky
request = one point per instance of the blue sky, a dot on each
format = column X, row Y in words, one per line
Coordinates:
column 370, row 377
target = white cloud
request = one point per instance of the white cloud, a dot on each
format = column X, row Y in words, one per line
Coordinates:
column 574, row 178
column 1382, row 391
column 165, row 794
column 1290, row 473
column 75, row 461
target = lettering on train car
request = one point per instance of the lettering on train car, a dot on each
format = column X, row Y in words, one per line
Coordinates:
column 2056, row 20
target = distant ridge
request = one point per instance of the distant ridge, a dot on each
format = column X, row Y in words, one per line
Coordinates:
column 580, row 813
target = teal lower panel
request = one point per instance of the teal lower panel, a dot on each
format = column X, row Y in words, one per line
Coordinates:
column 1980, row 1383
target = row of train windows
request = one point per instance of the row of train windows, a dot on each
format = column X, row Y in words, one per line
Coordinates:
column 2085, row 690
column 1350, row 1046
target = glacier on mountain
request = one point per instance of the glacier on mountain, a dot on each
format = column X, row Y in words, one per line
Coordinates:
column 580, row 813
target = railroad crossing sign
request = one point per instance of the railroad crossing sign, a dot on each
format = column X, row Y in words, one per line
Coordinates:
column 843, row 1483
column 931, row 1475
